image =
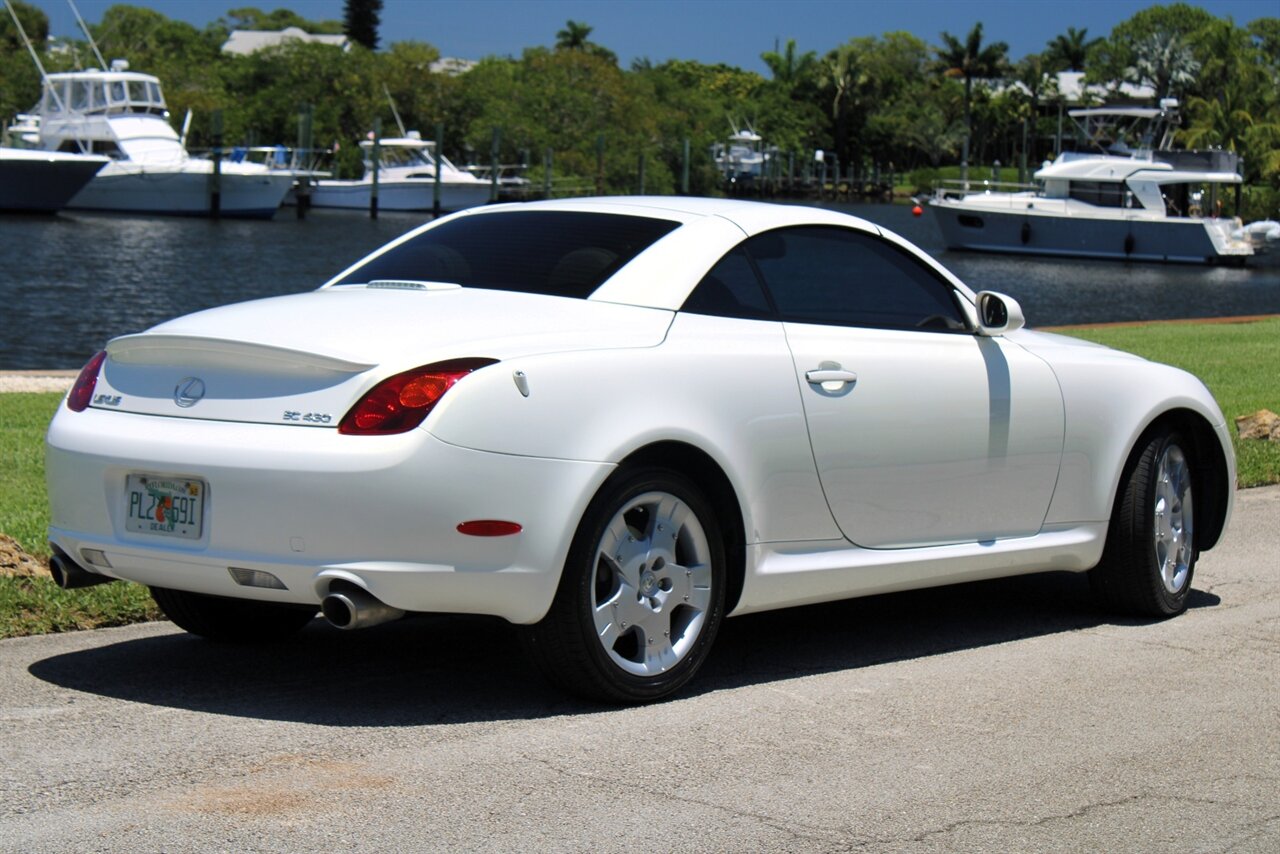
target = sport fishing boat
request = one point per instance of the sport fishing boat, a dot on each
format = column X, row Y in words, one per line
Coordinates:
column 742, row 158
column 43, row 181
column 1132, row 197
column 121, row 115
column 406, row 177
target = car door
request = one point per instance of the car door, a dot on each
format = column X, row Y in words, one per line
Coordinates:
column 923, row 432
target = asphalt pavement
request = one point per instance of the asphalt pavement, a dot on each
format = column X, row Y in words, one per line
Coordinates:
column 1000, row 716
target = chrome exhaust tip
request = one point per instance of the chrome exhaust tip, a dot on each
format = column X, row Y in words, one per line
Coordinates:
column 353, row 608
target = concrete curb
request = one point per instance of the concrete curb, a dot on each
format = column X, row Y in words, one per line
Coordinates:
column 36, row 381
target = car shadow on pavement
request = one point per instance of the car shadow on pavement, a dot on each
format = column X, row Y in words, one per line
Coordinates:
column 444, row 669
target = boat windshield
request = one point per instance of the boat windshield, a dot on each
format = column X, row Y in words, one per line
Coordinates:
column 90, row 95
column 557, row 253
column 399, row 155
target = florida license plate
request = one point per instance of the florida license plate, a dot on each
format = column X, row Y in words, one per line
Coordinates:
column 169, row 507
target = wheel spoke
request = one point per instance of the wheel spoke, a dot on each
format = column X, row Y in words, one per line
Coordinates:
column 669, row 516
column 691, row 585
column 621, row 613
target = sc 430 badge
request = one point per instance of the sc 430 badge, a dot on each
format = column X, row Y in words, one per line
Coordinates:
column 106, row 400
column 308, row 417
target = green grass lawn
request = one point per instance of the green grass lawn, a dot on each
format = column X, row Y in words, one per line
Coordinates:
column 24, row 509
column 1239, row 362
column 30, row 606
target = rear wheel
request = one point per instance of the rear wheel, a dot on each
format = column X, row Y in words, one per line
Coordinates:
column 1150, row 554
column 642, row 592
column 231, row 620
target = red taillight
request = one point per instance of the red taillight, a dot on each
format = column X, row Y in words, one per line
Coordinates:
column 82, row 392
column 400, row 403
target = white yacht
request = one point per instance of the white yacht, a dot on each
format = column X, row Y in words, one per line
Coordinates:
column 1133, row 198
column 121, row 114
column 742, row 157
column 406, row 174
column 43, row 181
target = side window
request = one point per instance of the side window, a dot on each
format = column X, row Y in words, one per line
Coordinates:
column 826, row 274
column 731, row 289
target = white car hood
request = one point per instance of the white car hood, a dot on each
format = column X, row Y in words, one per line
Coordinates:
column 318, row 352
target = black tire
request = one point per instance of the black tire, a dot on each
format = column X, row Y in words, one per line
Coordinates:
column 1149, row 558
column 232, row 620
column 675, row 586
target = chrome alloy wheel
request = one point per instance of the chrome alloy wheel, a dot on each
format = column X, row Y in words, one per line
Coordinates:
column 652, row 585
column 1173, row 532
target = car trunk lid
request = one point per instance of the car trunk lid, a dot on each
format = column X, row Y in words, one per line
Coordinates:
column 305, row 359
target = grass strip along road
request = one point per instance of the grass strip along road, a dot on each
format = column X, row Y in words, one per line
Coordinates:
column 1236, row 360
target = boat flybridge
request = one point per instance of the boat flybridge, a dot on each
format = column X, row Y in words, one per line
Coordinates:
column 1132, row 197
column 122, row 114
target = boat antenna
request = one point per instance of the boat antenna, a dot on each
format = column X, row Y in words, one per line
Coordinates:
column 102, row 63
column 394, row 111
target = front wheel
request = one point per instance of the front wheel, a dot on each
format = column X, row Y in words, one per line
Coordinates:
column 231, row 620
column 1150, row 553
column 642, row 592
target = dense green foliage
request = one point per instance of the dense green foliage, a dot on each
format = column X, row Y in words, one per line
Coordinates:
column 893, row 101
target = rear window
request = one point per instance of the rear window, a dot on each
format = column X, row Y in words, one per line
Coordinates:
column 559, row 253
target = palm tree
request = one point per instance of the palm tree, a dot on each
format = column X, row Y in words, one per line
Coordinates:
column 787, row 68
column 970, row 60
column 1070, row 51
column 1165, row 61
column 843, row 75
column 573, row 36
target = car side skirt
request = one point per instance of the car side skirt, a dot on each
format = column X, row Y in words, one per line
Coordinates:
column 781, row 575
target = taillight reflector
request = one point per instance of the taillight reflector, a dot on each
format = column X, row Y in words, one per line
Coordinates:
column 81, row 394
column 489, row 528
column 400, row 403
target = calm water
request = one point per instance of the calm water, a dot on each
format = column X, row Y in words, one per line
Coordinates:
column 69, row 283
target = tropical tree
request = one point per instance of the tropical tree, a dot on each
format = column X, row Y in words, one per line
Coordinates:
column 843, row 77
column 360, row 21
column 970, row 60
column 19, row 80
column 35, row 23
column 1069, row 51
column 1165, row 62
column 1242, row 113
column 1158, row 46
column 789, row 69
column 574, row 37
column 250, row 18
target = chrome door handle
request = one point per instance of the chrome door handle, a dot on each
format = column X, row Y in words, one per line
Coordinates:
column 828, row 375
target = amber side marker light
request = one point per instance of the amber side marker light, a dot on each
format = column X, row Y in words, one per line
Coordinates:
column 489, row 528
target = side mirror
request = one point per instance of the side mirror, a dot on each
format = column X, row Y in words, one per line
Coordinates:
column 998, row 314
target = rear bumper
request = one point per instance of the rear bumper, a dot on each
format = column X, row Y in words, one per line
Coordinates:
column 311, row 506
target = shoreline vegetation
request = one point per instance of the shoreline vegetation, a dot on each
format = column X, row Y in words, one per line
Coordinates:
column 1234, row 356
column 865, row 112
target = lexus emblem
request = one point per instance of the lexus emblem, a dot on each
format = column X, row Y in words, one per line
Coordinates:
column 188, row 392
